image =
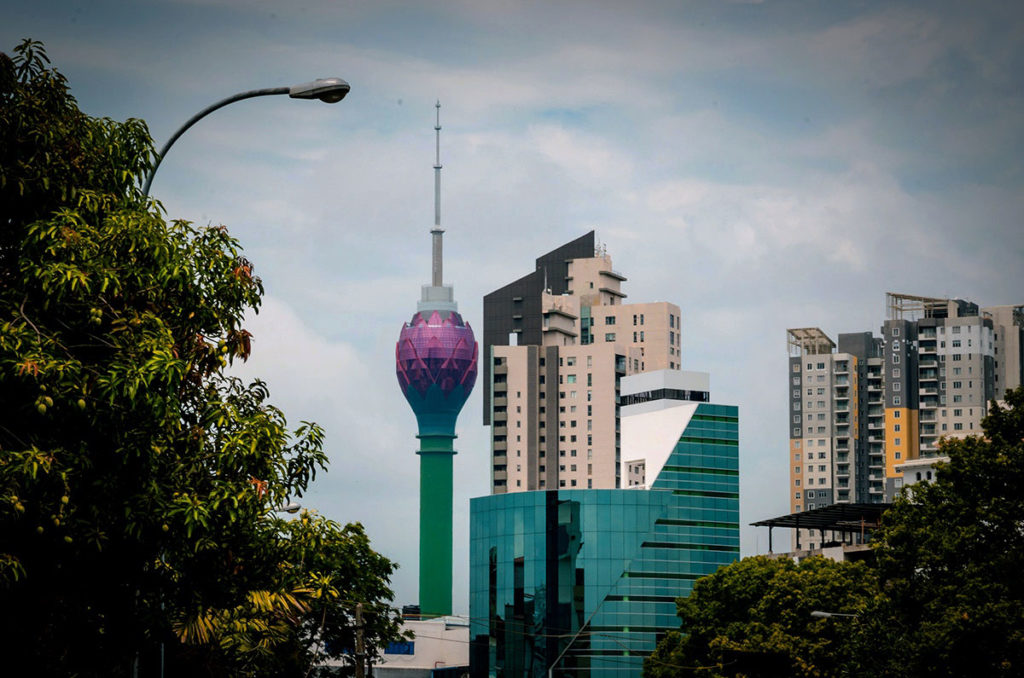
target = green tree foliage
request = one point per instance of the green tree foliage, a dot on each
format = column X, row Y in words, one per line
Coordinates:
column 137, row 478
column 944, row 598
column 753, row 618
column 951, row 554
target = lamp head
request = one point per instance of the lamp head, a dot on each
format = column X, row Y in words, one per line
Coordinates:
column 290, row 507
column 328, row 90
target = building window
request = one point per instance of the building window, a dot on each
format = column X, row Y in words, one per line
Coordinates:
column 896, row 428
column 610, row 336
column 895, row 331
column 609, row 320
column 896, row 400
column 898, row 455
column 796, row 495
column 571, row 378
column 896, row 372
column 897, row 441
column 895, row 358
column 797, row 482
column 821, row 366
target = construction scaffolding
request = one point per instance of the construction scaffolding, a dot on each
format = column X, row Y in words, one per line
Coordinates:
column 808, row 341
column 912, row 307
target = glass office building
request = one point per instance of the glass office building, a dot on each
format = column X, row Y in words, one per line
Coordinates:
column 585, row 581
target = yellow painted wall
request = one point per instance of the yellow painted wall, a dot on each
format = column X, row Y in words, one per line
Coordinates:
column 908, row 435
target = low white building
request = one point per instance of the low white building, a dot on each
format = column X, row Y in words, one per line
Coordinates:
column 438, row 644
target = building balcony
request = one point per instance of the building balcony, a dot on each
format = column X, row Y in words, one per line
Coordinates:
column 500, row 446
column 926, row 350
column 499, row 430
column 501, row 401
column 928, row 390
column 927, row 363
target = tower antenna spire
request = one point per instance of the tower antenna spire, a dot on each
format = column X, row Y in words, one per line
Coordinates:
column 437, row 231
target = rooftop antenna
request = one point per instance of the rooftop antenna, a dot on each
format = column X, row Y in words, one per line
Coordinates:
column 437, row 231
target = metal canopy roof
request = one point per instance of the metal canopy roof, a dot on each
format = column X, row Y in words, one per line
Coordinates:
column 836, row 517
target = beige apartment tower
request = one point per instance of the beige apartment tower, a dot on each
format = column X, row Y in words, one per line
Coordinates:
column 867, row 410
column 557, row 343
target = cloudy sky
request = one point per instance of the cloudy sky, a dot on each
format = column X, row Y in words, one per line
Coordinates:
column 764, row 165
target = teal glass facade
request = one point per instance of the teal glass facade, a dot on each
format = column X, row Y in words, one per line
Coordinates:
column 545, row 564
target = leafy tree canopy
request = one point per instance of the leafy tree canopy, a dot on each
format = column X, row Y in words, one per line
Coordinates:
column 138, row 480
column 753, row 618
column 944, row 597
column 951, row 556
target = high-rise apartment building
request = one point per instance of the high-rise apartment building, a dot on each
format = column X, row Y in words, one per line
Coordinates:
column 557, row 343
column 615, row 480
column 861, row 410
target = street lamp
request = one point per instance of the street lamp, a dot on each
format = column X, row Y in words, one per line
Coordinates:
column 820, row 614
column 328, row 90
column 290, row 507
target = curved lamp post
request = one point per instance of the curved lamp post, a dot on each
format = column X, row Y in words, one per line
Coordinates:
column 328, row 90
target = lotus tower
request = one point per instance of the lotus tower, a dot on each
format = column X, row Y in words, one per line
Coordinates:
column 436, row 363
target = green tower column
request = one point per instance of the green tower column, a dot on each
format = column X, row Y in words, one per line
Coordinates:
column 436, row 452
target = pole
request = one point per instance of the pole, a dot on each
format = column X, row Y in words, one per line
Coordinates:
column 360, row 649
column 202, row 114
